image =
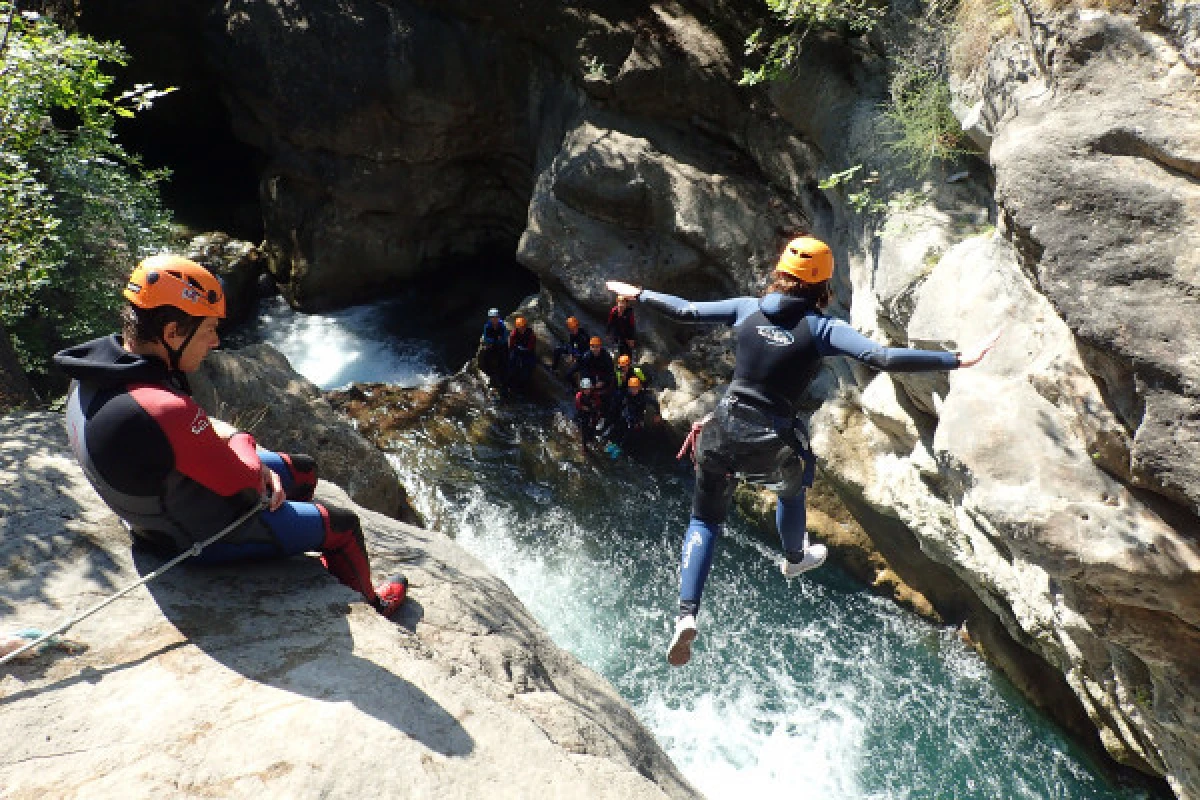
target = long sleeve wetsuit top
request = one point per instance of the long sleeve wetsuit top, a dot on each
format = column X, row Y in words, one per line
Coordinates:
column 781, row 340
column 150, row 450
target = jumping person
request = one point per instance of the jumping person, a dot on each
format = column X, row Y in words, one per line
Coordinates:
column 160, row 463
column 754, row 432
column 622, row 326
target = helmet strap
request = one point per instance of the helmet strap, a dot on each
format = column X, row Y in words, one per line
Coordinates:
column 174, row 354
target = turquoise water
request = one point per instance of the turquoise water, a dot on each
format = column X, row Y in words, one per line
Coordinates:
column 808, row 689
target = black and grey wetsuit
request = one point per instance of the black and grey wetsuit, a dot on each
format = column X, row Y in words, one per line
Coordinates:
column 754, row 433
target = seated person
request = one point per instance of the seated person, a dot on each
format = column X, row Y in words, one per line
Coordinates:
column 170, row 472
column 575, row 346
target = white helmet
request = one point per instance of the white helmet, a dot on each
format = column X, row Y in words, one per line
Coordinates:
column 585, row 383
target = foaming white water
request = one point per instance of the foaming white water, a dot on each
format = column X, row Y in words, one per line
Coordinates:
column 342, row 347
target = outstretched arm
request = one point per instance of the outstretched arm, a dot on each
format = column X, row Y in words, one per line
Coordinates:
column 837, row 338
column 726, row 312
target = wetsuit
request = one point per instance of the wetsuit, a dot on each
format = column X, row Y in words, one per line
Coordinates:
column 493, row 350
column 622, row 326
column 575, row 346
column 152, row 455
column 754, row 432
column 589, row 414
column 630, row 415
column 598, row 366
column 522, row 356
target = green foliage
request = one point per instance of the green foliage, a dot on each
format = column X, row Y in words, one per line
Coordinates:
column 793, row 20
column 75, row 209
column 861, row 192
column 922, row 128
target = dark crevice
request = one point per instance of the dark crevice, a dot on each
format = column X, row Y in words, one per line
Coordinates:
column 1127, row 143
column 215, row 176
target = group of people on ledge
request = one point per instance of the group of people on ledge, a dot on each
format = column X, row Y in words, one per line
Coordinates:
column 611, row 396
column 180, row 479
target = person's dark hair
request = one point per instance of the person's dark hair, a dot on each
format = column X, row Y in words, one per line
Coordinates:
column 816, row 293
column 146, row 324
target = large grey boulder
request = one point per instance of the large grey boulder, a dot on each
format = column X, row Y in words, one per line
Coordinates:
column 273, row 680
column 256, row 390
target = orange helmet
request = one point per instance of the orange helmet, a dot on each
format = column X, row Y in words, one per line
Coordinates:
column 624, row 361
column 519, row 323
column 808, row 259
column 171, row 280
column 572, row 324
column 633, row 382
column 595, row 341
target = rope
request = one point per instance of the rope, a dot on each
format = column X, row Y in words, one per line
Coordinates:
column 194, row 550
column 689, row 444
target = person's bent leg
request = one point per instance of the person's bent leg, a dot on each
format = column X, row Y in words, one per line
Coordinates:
column 791, row 520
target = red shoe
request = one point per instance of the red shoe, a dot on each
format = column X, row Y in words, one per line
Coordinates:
column 392, row 594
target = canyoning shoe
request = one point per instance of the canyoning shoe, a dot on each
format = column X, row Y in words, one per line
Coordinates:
column 814, row 556
column 680, row 651
column 392, row 594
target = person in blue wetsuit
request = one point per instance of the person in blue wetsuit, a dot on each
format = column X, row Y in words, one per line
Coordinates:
column 177, row 477
column 754, row 432
column 492, row 356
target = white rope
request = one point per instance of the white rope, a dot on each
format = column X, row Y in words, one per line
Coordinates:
column 191, row 551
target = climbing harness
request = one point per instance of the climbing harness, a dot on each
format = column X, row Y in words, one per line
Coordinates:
column 191, row 551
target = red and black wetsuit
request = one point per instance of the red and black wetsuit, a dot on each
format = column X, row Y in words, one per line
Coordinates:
column 589, row 414
column 622, row 326
column 152, row 455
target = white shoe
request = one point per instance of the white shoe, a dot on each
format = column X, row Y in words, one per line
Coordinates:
column 680, row 651
column 814, row 556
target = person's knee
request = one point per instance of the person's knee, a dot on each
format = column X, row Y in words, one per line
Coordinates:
column 342, row 528
column 303, row 471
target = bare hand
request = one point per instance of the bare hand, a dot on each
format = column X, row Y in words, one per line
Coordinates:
column 973, row 355
column 623, row 289
column 272, row 489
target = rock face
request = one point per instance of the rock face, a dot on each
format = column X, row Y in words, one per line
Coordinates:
column 1058, row 483
column 256, row 390
column 273, row 680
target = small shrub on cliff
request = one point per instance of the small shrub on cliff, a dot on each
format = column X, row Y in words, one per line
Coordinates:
column 922, row 128
column 75, row 208
column 792, row 20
